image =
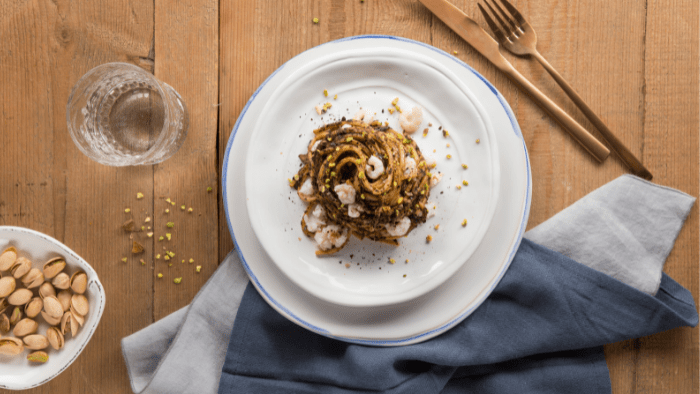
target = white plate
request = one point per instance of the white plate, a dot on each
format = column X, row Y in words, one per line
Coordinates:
column 369, row 79
column 424, row 317
column 16, row 372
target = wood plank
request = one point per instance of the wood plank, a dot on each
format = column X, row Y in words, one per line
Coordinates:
column 187, row 58
column 55, row 189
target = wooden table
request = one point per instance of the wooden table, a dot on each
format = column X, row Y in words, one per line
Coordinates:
column 635, row 63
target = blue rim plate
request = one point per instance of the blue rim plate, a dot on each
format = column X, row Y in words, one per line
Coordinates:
column 418, row 319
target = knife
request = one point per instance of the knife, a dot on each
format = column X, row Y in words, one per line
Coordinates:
column 475, row 36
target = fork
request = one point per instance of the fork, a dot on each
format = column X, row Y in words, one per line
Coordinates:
column 517, row 36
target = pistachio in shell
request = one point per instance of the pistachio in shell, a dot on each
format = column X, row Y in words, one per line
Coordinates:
column 7, row 286
column 11, row 346
column 53, row 267
column 20, row 268
column 16, row 316
column 46, row 289
column 33, row 278
column 66, row 322
column 8, row 258
column 36, row 342
column 34, row 307
column 64, row 297
column 3, row 304
column 52, row 307
column 25, row 327
column 61, row 281
column 4, row 324
column 38, row 357
column 80, row 303
column 78, row 282
column 55, row 337
column 50, row 320
column 20, row 297
column 78, row 318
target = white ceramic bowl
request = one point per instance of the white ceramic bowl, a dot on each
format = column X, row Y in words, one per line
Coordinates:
column 16, row 373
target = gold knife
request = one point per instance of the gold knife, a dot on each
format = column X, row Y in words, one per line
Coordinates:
column 475, row 36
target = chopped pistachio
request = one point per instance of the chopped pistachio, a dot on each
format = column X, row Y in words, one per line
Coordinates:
column 465, row 183
column 392, row 261
column 335, row 97
column 455, row 52
column 459, row 187
column 437, row 226
column 170, row 224
column 429, row 238
column 362, row 196
column 170, row 265
column 149, row 234
column 398, row 108
column 182, row 207
column 406, row 261
column 391, row 110
column 400, row 200
column 171, row 254
column 199, row 268
column 190, row 209
column 448, row 145
column 191, row 261
column 142, row 262
column 158, row 256
column 172, row 203
column 464, row 166
column 148, row 219
column 395, row 101
column 143, row 228
column 124, row 259
column 166, row 257
column 183, row 262
column 464, row 223
column 161, row 238
column 127, row 210
column 348, row 139
column 160, row 275
column 449, row 157
column 167, row 211
column 139, row 195
column 167, row 199
column 209, row 189
column 445, row 133
column 478, row 140
column 404, row 275
column 168, row 235
column 325, row 92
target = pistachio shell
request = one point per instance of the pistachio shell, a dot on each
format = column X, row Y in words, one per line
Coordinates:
column 52, row 307
column 64, row 297
column 16, row 316
column 61, row 281
column 80, row 303
column 33, row 308
column 20, row 297
column 33, row 278
column 74, row 325
column 3, row 304
column 79, row 318
column 25, row 327
column 21, row 267
column 38, row 357
column 36, row 342
column 7, row 258
column 4, row 324
column 11, row 346
column 53, row 334
column 46, row 290
column 78, row 282
column 65, row 322
column 50, row 320
column 53, row 267
column 7, row 286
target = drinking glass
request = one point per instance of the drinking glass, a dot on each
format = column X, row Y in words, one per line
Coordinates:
column 120, row 115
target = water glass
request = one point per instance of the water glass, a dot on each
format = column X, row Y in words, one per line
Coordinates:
column 120, row 115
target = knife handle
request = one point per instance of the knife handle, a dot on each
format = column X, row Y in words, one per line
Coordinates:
column 586, row 139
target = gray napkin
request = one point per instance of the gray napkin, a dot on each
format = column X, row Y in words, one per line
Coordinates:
column 625, row 229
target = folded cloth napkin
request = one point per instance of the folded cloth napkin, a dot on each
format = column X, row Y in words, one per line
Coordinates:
column 541, row 329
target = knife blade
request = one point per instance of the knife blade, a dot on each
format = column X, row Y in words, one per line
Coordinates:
column 483, row 43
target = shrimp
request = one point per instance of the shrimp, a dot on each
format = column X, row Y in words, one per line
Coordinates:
column 400, row 228
column 374, row 167
column 435, row 179
column 316, row 220
column 346, row 193
column 410, row 168
column 410, row 121
column 354, row 210
column 331, row 236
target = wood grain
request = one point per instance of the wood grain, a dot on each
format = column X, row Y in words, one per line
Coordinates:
column 636, row 63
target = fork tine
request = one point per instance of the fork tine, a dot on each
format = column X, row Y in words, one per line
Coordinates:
column 504, row 26
column 514, row 12
column 494, row 28
column 506, row 16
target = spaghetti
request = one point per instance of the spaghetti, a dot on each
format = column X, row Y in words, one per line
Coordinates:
column 365, row 180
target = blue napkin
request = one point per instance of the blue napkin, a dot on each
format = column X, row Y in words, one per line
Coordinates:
column 540, row 331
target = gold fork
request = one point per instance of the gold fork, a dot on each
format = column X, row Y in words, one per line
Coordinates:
column 517, row 36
